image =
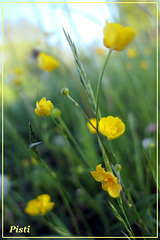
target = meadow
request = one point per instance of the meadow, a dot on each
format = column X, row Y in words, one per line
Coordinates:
column 55, row 153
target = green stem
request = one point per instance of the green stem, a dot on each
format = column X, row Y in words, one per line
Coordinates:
column 59, row 188
column 105, row 155
column 99, row 85
column 73, row 141
column 123, row 211
column 77, row 105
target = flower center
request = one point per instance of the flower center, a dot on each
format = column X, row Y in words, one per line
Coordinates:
column 112, row 130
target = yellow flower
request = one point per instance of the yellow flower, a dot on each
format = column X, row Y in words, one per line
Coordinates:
column 117, row 37
column 47, row 62
column 108, row 180
column 33, row 161
column 32, row 207
column 17, row 81
column 111, row 127
column 93, row 121
column 148, row 51
column 43, row 108
column 128, row 65
column 132, row 52
column 17, row 71
column 100, row 51
column 40, row 205
column 45, row 204
column 143, row 65
column 25, row 162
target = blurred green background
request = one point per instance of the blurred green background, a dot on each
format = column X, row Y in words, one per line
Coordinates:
column 129, row 92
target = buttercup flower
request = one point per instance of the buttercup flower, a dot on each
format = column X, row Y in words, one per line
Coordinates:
column 111, row 127
column 45, row 204
column 17, row 71
column 132, row 52
column 17, row 81
column 43, row 108
column 100, row 51
column 148, row 51
column 93, row 121
column 108, row 180
column 33, row 161
column 143, row 65
column 32, row 207
column 40, row 205
column 117, row 37
column 47, row 62
column 128, row 65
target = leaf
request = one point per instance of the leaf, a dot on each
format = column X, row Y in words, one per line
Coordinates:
column 34, row 144
column 82, row 75
column 153, row 171
column 126, row 235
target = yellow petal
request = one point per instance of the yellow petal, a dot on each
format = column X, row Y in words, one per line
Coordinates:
column 32, row 207
column 50, row 105
column 97, row 176
column 94, row 123
column 100, row 175
column 114, row 190
column 44, row 197
column 43, row 100
column 104, row 186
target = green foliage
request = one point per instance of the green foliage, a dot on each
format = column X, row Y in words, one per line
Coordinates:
column 66, row 151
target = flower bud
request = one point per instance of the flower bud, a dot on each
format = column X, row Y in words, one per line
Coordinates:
column 56, row 113
column 118, row 167
column 65, row 91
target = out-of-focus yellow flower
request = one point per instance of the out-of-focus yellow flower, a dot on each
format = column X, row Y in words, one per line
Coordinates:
column 111, row 127
column 144, row 65
column 94, row 123
column 45, row 204
column 43, row 108
column 100, row 51
column 148, row 51
column 17, row 81
column 128, row 65
column 47, row 34
column 25, row 162
column 40, row 205
column 117, row 37
column 47, row 62
column 132, row 52
column 33, row 161
column 32, row 207
column 18, row 71
column 108, row 180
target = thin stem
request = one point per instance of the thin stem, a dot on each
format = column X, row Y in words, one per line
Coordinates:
column 123, row 211
column 101, row 144
column 59, row 188
column 77, row 105
column 99, row 85
column 105, row 155
column 73, row 141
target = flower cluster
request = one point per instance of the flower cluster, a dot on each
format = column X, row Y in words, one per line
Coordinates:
column 108, row 180
column 40, row 205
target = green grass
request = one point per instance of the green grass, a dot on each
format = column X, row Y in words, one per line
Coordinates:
column 81, row 206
